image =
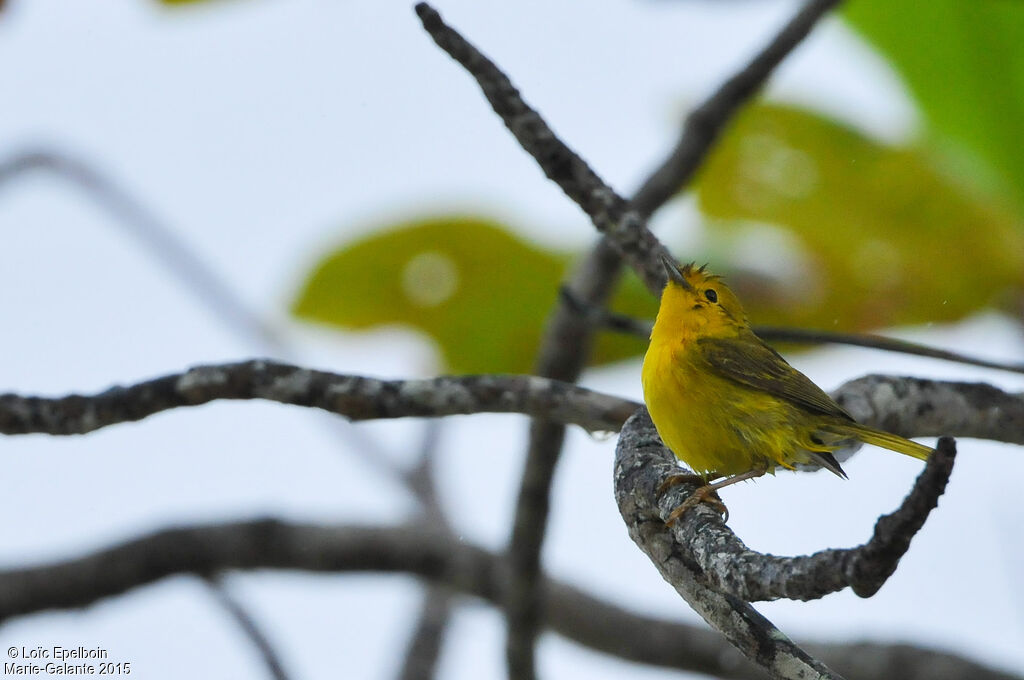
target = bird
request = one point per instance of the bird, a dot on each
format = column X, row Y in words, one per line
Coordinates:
column 727, row 404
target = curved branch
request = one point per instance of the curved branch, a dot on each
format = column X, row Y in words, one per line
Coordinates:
column 354, row 397
column 700, row 553
column 271, row 544
column 718, row 575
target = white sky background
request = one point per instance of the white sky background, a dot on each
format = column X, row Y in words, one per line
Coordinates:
column 265, row 132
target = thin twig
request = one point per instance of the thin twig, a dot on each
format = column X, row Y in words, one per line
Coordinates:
column 245, row 621
column 815, row 337
column 465, row 568
column 640, row 328
column 424, row 648
column 425, row 644
column 354, row 397
column 165, row 246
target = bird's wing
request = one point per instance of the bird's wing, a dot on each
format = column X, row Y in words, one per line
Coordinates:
column 750, row 362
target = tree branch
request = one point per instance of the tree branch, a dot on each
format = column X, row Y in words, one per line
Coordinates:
column 565, row 350
column 916, row 407
column 608, row 211
column 428, row 635
column 355, row 397
column 424, row 648
column 271, row 544
column 248, row 625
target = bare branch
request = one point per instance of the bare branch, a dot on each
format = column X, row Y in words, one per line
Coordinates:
column 252, row 630
column 816, row 337
column 915, row 407
column 355, row 397
column 270, row 544
column 565, row 349
column 428, row 635
column 425, row 643
column 608, row 211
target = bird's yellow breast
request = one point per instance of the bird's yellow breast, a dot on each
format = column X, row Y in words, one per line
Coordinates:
column 709, row 422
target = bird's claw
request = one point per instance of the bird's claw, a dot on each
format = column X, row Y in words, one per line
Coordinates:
column 704, row 494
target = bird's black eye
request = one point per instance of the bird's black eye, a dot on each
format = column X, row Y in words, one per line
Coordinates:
column 711, row 295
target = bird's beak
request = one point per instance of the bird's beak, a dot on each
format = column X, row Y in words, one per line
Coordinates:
column 673, row 273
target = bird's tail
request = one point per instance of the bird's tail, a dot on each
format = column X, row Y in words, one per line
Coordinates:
column 887, row 440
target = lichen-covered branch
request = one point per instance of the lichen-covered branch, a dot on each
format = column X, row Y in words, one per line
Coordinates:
column 700, row 550
column 718, row 575
column 437, row 556
column 917, row 407
column 354, row 397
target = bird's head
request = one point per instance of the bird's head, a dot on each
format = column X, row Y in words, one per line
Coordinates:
column 697, row 303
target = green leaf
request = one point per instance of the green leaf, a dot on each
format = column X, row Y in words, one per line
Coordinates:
column 963, row 62
column 480, row 292
column 882, row 237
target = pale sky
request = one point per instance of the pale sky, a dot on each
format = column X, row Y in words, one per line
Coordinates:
column 265, row 132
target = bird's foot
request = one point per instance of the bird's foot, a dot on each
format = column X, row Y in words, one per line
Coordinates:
column 705, row 494
column 680, row 478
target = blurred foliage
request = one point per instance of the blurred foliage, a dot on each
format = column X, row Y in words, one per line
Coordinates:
column 480, row 292
column 880, row 236
column 964, row 64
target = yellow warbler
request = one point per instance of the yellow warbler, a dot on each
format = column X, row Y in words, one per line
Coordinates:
column 730, row 406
